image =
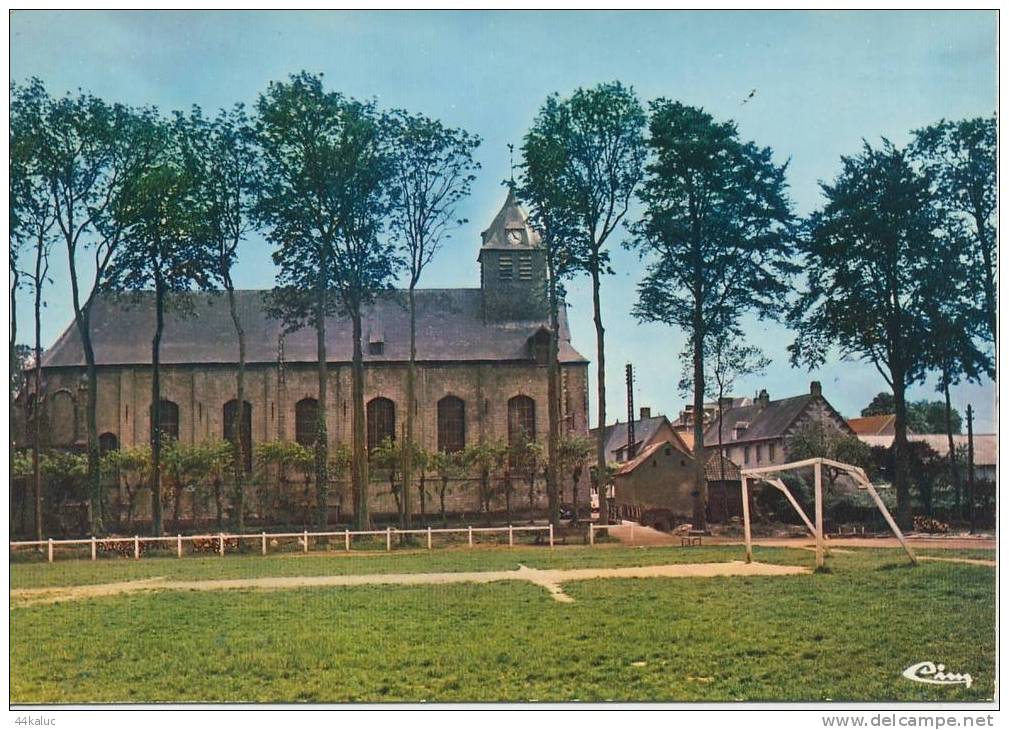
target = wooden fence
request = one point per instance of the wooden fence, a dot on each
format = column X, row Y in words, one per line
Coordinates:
column 223, row 538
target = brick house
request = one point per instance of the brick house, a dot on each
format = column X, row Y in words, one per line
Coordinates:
column 481, row 355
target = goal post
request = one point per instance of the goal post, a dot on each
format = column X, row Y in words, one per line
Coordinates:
column 769, row 474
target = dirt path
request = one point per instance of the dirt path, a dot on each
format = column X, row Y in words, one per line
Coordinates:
column 968, row 561
column 551, row 580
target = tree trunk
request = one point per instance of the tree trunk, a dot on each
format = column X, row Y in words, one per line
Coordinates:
column 441, row 498
column 954, row 471
column 601, row 471
column 13, row 369
column 971, row 513
column 422, row 488
column 321, row 432
column 359, row 466
column 159, row 309
column 411, row 406
column 700, row 484
column 900, row 465
column 37, row 411
column 238, row 427
column 553, row 408
column 82, row 319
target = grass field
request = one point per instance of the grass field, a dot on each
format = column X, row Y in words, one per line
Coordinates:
column 842, row 635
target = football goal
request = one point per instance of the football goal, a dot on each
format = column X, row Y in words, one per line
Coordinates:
column 772, row 476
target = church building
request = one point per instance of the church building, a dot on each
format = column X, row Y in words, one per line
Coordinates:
column 481, row 355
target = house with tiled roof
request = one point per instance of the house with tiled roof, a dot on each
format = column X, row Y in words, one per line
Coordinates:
column 757, row 434
column 648, row 430
column 880, row 425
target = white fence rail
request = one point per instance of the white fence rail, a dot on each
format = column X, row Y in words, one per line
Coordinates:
column 224, row 538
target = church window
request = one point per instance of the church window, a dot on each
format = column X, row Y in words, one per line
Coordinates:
column 521, row 418
column 107, row 442
column 505, row 266
column 525, row 266
column 451, row 424
column 230, row 421
column 306, row 412
column 381, row 418
column 169, row 419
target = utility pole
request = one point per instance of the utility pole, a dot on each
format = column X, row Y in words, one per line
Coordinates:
column 970, row 467
column 631, row 440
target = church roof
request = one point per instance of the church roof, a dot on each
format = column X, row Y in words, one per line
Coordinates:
column 511, row 217
column 450, row 328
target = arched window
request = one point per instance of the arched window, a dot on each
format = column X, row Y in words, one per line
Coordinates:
column 451, row 424
column 108, row 442
column 169, row 421
column 306, row 413
column 231, row 421
column 381, row 421
column 521, row 418
column 62, row 418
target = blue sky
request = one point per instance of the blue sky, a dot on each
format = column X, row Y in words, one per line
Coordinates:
column 823, row 80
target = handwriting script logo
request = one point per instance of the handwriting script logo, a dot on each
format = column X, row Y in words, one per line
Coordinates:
column 929, row 673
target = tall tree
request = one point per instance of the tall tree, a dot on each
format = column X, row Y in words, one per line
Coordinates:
column 546, row 187
column 434, row 171
column 871, row 256
column 880, row 405
column 32, row 223
column 165, row 248
column 961, row 158
column 326, row 194
column 224, row 155
column 598, row 155
column 93, row 154
column 717, row 228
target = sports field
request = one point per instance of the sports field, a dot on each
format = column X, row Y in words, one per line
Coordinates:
column 844, row 635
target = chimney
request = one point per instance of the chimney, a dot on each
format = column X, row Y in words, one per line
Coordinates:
column 646, row 412
column 815, row 388
column 763, row 398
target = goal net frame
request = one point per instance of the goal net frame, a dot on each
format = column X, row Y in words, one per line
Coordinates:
column 769, row 474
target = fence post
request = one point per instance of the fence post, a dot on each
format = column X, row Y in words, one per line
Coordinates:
column 50, row 550
column 220, row 537
column 94, row 549
column 264, row 543
column 470, row 528
column 592, row 534
column 388, row 539
column 178, row 545
column 511, row 537
column 551, row 534
column 306, row 540
column 346, row 540
column 136, row 547
column 429, row 537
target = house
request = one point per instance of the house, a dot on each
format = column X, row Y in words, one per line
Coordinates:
column 881, row 425
column 757, row 434
column 481, row 375
column 656, row 487
column 648, row 430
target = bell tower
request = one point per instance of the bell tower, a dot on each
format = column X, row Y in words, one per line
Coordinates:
column 512, row 268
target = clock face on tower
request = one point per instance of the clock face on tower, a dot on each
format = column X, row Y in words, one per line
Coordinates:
column 515, row 236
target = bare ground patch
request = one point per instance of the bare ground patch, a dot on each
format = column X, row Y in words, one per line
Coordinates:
column 552, row 580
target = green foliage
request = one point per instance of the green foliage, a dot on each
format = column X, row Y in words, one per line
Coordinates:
column 286, row 454
column 923, row 416
column 817, row 439
column 961, row 158
column 434, row 169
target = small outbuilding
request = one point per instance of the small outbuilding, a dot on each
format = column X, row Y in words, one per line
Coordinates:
column 656, row 488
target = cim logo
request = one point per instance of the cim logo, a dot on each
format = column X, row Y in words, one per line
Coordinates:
column 929, row 673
